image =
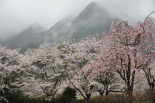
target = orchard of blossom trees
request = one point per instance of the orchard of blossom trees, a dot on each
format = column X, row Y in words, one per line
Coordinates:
column 122, row 61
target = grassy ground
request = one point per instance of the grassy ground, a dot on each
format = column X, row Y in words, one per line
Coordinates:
column 112, row 98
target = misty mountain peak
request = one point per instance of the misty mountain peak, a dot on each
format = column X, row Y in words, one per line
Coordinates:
column 30, row 37
column 92, row 5
column 91, row 11
column 35, row 26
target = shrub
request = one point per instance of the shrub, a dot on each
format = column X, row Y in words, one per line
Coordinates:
column 11, row 92
column 68, row 95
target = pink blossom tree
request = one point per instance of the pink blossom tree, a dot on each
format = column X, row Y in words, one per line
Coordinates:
column 106, row 79
column 127, row 49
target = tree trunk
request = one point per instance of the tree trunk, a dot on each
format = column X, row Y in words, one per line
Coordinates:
column 129, row 94
column 153, row 93
column 107, row 92
column 153, row 96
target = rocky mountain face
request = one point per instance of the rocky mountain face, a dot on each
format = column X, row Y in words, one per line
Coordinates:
column 93, row 19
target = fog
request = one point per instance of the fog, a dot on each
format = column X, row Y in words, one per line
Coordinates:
column 16, row 15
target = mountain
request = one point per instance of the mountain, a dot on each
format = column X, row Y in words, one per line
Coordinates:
column 59, row 30
column 93, row 19
column 32, row 35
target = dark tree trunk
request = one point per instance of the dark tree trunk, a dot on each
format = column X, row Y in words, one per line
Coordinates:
column 153, row 92
column 107, row 92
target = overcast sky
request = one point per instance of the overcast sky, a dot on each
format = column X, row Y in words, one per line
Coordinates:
column 16, row 15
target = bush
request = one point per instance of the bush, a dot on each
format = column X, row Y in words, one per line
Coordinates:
column 11, row 92
column 68, row 95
